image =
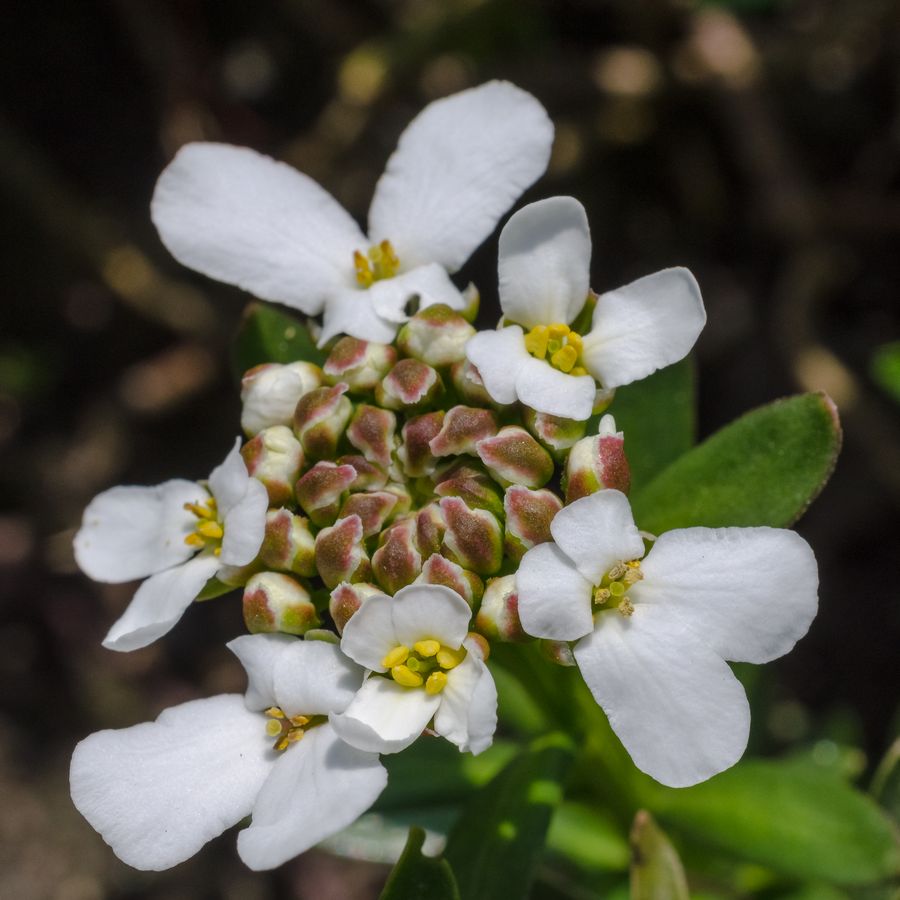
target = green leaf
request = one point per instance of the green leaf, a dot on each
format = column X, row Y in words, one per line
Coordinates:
column 791, row 816
column 656, row 870
column 589, row 837
column 885, row 369
column 417, row 875
column 496, row 845
column 266, row 334
column 763, row 469
column 886, row 781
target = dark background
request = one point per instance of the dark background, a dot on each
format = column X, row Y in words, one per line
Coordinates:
column 755, row 142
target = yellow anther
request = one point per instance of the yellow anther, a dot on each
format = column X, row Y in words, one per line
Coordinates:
column 273, row 728
column 202, row 511
column 449, row 659
column 633, row 563
column 396, row 657
column 536, row 341
column 626, row 607
column 299, row 721
column 427, row 648
column 283, row 743
column 632, row 576
column 601, row 595
column 275, row 712
column 558, row 331
column 573, row 340
column 437, row 681
column 380, row 261
column 217, row 551
column 194, row 540
column 565, row 358
column 616, row 572
column 559, row 345
column 210, row 529
column 364, row 274
column 405, row 676
column 294, row 735
column 578, row 370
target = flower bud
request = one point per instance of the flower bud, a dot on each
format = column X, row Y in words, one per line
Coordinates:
column 513, row 456
column 320, row 419
column 558, row 652
column 374, row 508
column 269, row 393
column 597, row 462
column 467, row 381
column 472, row 300
column 430, row 527
column 404, row 499
column 474, row 537
column 373, row 432
column 340, row 554
column 320, row 491
column 369, row 477
column 288, row 544
column 462, row 428
column 555, row 433
column 436, row 335
column 275, row 458
column 358, row 364
column 498, row 615
column 528, row 517
column 440, row 570
column 397, row 561
column 276, row 602
column 415, row 454
column 410, row 385
column 471, row 484
column 346, row 599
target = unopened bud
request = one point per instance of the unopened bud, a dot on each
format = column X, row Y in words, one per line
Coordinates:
column 369, row 477
column 414, row 454
column 555, row 433
column 498, row 615
column 462, row 428
column 473, row 485
column 269, row 393
column 474, row 537
column 513, row 456
column 276, row 602
column 320, row 491
column 373, row 432
column 404, row 499
column 397, row 561
column 275, row 458
column 436, row 335
column 320, row 419
column 558, row 652
column 470, row 386
column 410, row 385
column 374, row 508
column 597, row 462
column 346, row 599
column 440, row 570
column 340, row 554
column 603, row 400
column 430, row 527
column 288, row 544
column 359, row 364
column 528, row 517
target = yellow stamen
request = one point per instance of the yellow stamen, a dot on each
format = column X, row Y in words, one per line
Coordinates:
column 194, row 540
column 275, row 712
column 626, row 607
column 210, row 529
column 396, row 657
column 601, row 595
column 565, row 358
column 405, row 676
column 536, row 341
column 449, row 659
column 557, row 344
column 427, row 648
column 379, row 262
column 202, row 511
column 364, row 274
column 299, row 721
column 294, row 736
column 437, row 681
column 558, row 331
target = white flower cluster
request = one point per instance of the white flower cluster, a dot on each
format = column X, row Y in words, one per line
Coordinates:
column 428, row 490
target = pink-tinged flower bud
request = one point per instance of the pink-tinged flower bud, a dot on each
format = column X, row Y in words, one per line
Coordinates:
column 479, row 644
column 463, row 427
column 473, row 485
column 320, row 419
column 430, row 527
column 555, row 433
column 410, row 385
column 369, row 477
column 558, row 652
column 276, row 602
column 269, row 393
column 320, row 491
column 373, row 432
column 404, row 499
column 440, row 570
column 340, row 554
column 603, row 399
column 513, row 456
column 346, row 599
column 275, row 458
column 397, row 562
column 436, row 335
column 467, row 381
column 288, row 544
column 597, row 462
column 528, row 517
column 498, row 615
column 414, row 454
column 474, row 537
column 374, row 508
column 359, row 364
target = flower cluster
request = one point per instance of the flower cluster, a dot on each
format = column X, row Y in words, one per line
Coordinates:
column 426, row 491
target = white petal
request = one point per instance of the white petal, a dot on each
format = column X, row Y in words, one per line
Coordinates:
column 596, row 532
column 550, row 391
column 133, row 532
column 637, row 329
column 158, row 792
column 247, row 220
column 467, row 715
column 430, row 612
column 159, row 603
column 554, row 597
column 313, row 678
column 317, row 787
column 498, row 356
column 674, row 703
column 748, row 593
column 228, row 480
column 257, row 653
column 369, row 635
column 460, row 164
column 350, row 311
column 427, row 284
column 385, row 717
column 245, row 525
column 544, row 263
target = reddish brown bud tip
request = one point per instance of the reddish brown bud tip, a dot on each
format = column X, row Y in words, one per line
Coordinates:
column 320, row 491
column 513, row 456
column 436, row 335
column 359, row 364
column 462, row 428
column 410, row 385
column 275, row 602
column 415, row 453
column 474, row 537
column 528, row 517
column 275, row 458
column 320, row 419
column 440, row 570
column 340, row 555
column 397, row 561
column 498, row 615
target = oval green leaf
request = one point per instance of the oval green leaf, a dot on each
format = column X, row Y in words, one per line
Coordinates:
column 656, row 870
column 416, row 875
column 266, row 334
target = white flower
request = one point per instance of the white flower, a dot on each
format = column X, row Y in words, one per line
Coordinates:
column 180, row 534
column 653, row 634
column 245, row 219
column 157, row 792
column 545, row 255
column 422, row 667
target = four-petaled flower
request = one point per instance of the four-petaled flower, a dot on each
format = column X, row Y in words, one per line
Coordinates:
column 157, row 792
column 178, row 533
column 248, row 220
column 544, row 266
column 422, row 667
column 653, row 634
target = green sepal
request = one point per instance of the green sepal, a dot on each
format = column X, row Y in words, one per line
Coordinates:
column 268, row 335
column 214, row 588
column 417, row 875
column 656, row 869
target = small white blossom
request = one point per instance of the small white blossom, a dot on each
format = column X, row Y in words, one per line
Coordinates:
column 177, row 535
column 157, row 792
column 545, row 255
column 653, row 634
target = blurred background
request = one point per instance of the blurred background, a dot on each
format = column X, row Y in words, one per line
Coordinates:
column 755, row 141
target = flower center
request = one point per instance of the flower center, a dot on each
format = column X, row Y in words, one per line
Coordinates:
column 208, row 530
column 426, row 663
column 379, row 262
column 558, row 345
column 614, row 584
column 287, row 730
